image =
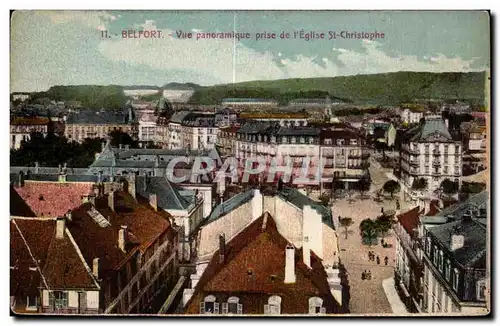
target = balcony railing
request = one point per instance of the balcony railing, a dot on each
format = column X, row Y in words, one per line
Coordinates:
column 436, row 163
column 436, row 173
column 414, row 162
column 413, row 151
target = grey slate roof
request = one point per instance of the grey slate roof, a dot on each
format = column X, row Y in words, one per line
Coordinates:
column 432, row 127
column 229, row 205
column 169, row 195
column 456, row 211
column 55, row 177
column 98, row 117
column 298, row 131
column 178, row 117
column 300, row 200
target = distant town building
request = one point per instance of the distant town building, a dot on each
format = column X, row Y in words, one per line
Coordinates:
column 137, row 93
column 87, row 123
column 199, row 131
column 249, row 102
column 285, row 119
column 20, row 96
column 412, row 115
column 225, row 117
column 22, row 127
column 147, row 127
column 180, row 95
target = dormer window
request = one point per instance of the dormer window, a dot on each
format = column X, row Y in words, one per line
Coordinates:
column 293, row 140
column 232, row 306
column 340, row 142
column 273, row 306
column 283, row 140
column 209, row 306
column 311, row 140
column 302, row 140
column 354, row 142
column 316, row 306
column 328, row 141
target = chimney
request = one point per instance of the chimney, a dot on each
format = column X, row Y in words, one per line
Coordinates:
column 111, row 200
column 131, row 185
column 103, row 144
column 127, row 147
column 99, row 177
column 153, row 201
column 69, row 216
column 60, row 226
column 146, row 181
column 257, row 203
column 120, row 146
column 95, row 267
column 222, row 247
column 290, row 264
column 37, row 168
column 457, row 242
column 122, row 237
column 21, row 178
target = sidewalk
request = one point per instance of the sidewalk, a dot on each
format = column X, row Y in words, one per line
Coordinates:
column 398, row 307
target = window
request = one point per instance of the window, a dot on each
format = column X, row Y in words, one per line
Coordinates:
column 293, row 140
column 316, row 306
column 328, row 141
column 232, row 306
column 273, row 306
column 480, row 290
column 447, row 270
column 209, row 306
column 456, row 278
column 31, row 303
column 58, row 299
column 440, row 260
column 435, row 255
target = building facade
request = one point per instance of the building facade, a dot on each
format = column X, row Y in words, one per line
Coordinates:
column 429, row 151
column 22, row 127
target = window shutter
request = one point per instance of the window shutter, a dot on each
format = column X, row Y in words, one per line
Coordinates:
column 266, row 309
column 239, row 309
column 202, row 307
column 322, row 310
column 224, row 308
column 216, row 308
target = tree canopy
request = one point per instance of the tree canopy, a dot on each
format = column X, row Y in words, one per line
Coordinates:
column 449, row 187
column 391, row 187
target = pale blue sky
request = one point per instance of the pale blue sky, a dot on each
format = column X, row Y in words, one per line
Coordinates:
column 65, row 47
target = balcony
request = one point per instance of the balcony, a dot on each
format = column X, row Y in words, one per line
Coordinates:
column 413, row 151
column 436, row 152
column 436, row 163
column 436, row 173
column 354, row 156
column 414, row 163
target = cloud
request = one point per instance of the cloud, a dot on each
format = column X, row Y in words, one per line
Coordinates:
column 92, row 19
column 226, row 61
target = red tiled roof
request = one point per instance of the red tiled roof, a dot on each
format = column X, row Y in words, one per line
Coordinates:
column 262, row 250
column 433, row 208
column 27, row 121
column 410, row 219
column 53, row 198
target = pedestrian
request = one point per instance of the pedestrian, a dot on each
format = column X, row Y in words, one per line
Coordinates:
column 386, row 260
column 363, row 275
column 378, row 260
column 369, row 275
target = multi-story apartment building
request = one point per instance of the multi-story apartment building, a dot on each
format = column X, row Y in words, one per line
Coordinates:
column 412, row 115
column 114, row 253
column 82, row 124
column 429, row 151
column 279, row 279
column 339, row 149
column 175, row 139
column 455, row 258
column 225, row 117
column 300, row 221
column 249, row 102
column 147, row 127
column 22, row 127
column 199, row 131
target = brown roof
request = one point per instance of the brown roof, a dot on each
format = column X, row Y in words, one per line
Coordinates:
column 260, row 248
column 338, row 134
column 232, row 129
column 410, row 219
column 29, row 121
column 28, row 235
column 18, row 206
column 144, row 225
column 433, row 208
column 53, row 198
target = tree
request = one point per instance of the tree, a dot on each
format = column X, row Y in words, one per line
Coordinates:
column 324, row 199
column 419, row 184
column 449, row 187
column 384, row 223
column 391, row 187
column 368, row 229
column 346, row 222
column 472, row 187
column 119, row 137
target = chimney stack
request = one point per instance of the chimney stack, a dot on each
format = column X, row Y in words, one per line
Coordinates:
column 222, row 248
column 37, row 168
column 69, row 215
column 122, row 238
column 60, row 227
column 131, row 185
column 95, row 267
column 290, row 264
column 153, row 201
column 111, row 200
column 99, row 177
column 21, row 179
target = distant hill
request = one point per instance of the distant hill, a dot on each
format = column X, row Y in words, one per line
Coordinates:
column 380, row 89
column 181, row 86
column 91, row 96
column 141, row 87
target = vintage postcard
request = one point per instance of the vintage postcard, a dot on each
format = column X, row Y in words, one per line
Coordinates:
column 250, row 163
